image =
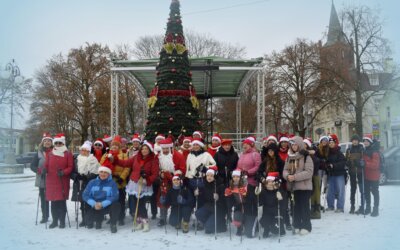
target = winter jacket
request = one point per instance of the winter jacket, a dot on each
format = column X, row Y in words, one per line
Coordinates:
column 150, row 166
column 249, row 161
column 57, row 188
column 98, row 190
column 37, row 165
column 353, row 156
column 206, row 194
column 315, row 160
column 322, row 156
column 371, row 158
column 195, row 159
column 226, row 159
column 299, row 165
column 338, row 161
column 262, row 169
column 171, row 198
column 119, row 174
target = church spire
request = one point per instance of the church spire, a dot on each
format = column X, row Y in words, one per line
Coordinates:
column 335, row 32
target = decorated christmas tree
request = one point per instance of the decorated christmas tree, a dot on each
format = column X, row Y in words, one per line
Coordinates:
column 173, row 106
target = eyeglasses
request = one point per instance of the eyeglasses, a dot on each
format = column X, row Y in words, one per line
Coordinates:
column 58, row 143
column 98, row 145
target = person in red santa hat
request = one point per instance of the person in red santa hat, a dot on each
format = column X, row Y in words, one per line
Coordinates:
column 266, row 141
column 171, row 162
column 37, row 164
column 145, row 170
column 107, row 140
column 134, row 149
column 119, row 173
column 58, row 167
column 198, row 135
column 157, row 148
column 186, row 147
column 99, row 149
column 283, row 147
column 215, row 144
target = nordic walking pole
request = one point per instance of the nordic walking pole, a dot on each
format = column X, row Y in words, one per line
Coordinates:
column 363, row 194
column 179, row 220
column 258, row 219
column 137, row 204
column 63, row 194
column 215, row 209
column 197, row 199
column 37, row 206
column 279, row 222
column 229, row 224
column 45, row 203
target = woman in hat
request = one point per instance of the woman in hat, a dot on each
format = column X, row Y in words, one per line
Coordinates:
column 226, row 160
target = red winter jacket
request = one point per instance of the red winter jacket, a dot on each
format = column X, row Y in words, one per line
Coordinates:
column 372, row 171
column 136, row 163
column 55, row 188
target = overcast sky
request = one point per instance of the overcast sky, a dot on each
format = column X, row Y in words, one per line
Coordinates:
column 33, row 31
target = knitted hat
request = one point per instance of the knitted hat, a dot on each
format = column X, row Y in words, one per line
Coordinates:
column 334, row 138
column 323, row 138
column 355, row 137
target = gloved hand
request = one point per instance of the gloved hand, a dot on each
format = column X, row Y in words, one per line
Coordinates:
column 163, row 199
column 143, row 174
column 60, row 172
column 216, row 196
column 196, row 192
column 110, row 157
column 181, row 200
column 119, row 180
column 257, row 190
column 43, row 171
column 279, row 196
column 228, row 192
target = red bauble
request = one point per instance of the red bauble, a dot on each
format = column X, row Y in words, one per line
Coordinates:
column 158, row 73
column 172, row 103
column 199, row 122
column 190, row 73
column 171, row 119
column 173, row 70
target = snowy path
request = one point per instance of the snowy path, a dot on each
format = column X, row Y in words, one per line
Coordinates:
column 333, row 231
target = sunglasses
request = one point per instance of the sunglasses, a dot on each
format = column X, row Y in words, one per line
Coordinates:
column 58, row 143
column 98, row 145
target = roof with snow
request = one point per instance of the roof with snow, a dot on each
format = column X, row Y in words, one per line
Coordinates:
column 211, row 76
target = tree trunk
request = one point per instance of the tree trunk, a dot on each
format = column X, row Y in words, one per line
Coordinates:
column 359, row 114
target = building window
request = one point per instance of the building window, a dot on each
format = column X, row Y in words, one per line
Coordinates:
column 373, row 80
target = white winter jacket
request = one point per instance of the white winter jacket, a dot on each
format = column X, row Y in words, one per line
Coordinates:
column 194, row 161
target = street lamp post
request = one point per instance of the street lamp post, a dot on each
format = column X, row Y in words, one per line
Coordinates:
column 14, row 77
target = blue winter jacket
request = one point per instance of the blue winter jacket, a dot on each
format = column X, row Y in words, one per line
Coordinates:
column 104, row 191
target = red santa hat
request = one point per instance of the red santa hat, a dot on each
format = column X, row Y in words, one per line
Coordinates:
column 212, row 170
column 176, row 176
column 187, row 139
column 46, row 136
column 272, row 176
column 166, row 143
column 117, row 141
column 217, row 137
column 284, row 138
column 104, row 169
column 236, row 172
column 136, row 137
column 323, row 138
column 99, row 141
column 198, row 142
column 87, row 145
column 368, row 138
column 107, row 138
column 198, row 133
column 334, row 138
column 272, row 137
column 160, row 137
column 149, row 145
column 308, row 142
column 226, row 141
column 59, row 138
column 249, row 140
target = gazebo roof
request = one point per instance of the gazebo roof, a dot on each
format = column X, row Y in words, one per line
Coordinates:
column 211, row 76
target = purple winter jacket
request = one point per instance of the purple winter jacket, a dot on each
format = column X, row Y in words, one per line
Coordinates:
column 249, row 161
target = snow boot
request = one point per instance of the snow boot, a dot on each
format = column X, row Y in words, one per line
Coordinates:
column 98, row 224
column 352, row 209
column 146, row 227
column 89, row 225
column 265, row 234
column 185, row 227
column 316, row 212
column 82, row 224
column 161, row 223
column 375, row 212
column 44, row 220
column 360, row 211
column 113, row 229
column 368, row 210
column 54, row 224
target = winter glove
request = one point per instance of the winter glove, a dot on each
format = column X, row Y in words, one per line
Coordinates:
column 196, row 192
column 143, row 174
column 181, row 200
column 91, row 176
column 279, row 196
column 119, row 180
column 60, row 173
column 43, row 171
column 216, row 196
column 163, row 199
column 257, row 191
column 110, row 157
column 228, row 192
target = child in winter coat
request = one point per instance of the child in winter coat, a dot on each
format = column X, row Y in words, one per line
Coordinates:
column 212, row 195
column 181, row 199
column 270, row 198
column 235, row 196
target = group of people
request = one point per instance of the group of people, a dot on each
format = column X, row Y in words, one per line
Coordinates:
column 221, row 188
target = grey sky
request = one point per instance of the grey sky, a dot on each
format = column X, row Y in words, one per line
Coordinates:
column 34, row 30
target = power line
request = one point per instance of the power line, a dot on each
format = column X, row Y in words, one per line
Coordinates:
column 224, row 8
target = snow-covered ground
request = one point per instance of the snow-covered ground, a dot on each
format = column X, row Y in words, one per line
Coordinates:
column 333, row 231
